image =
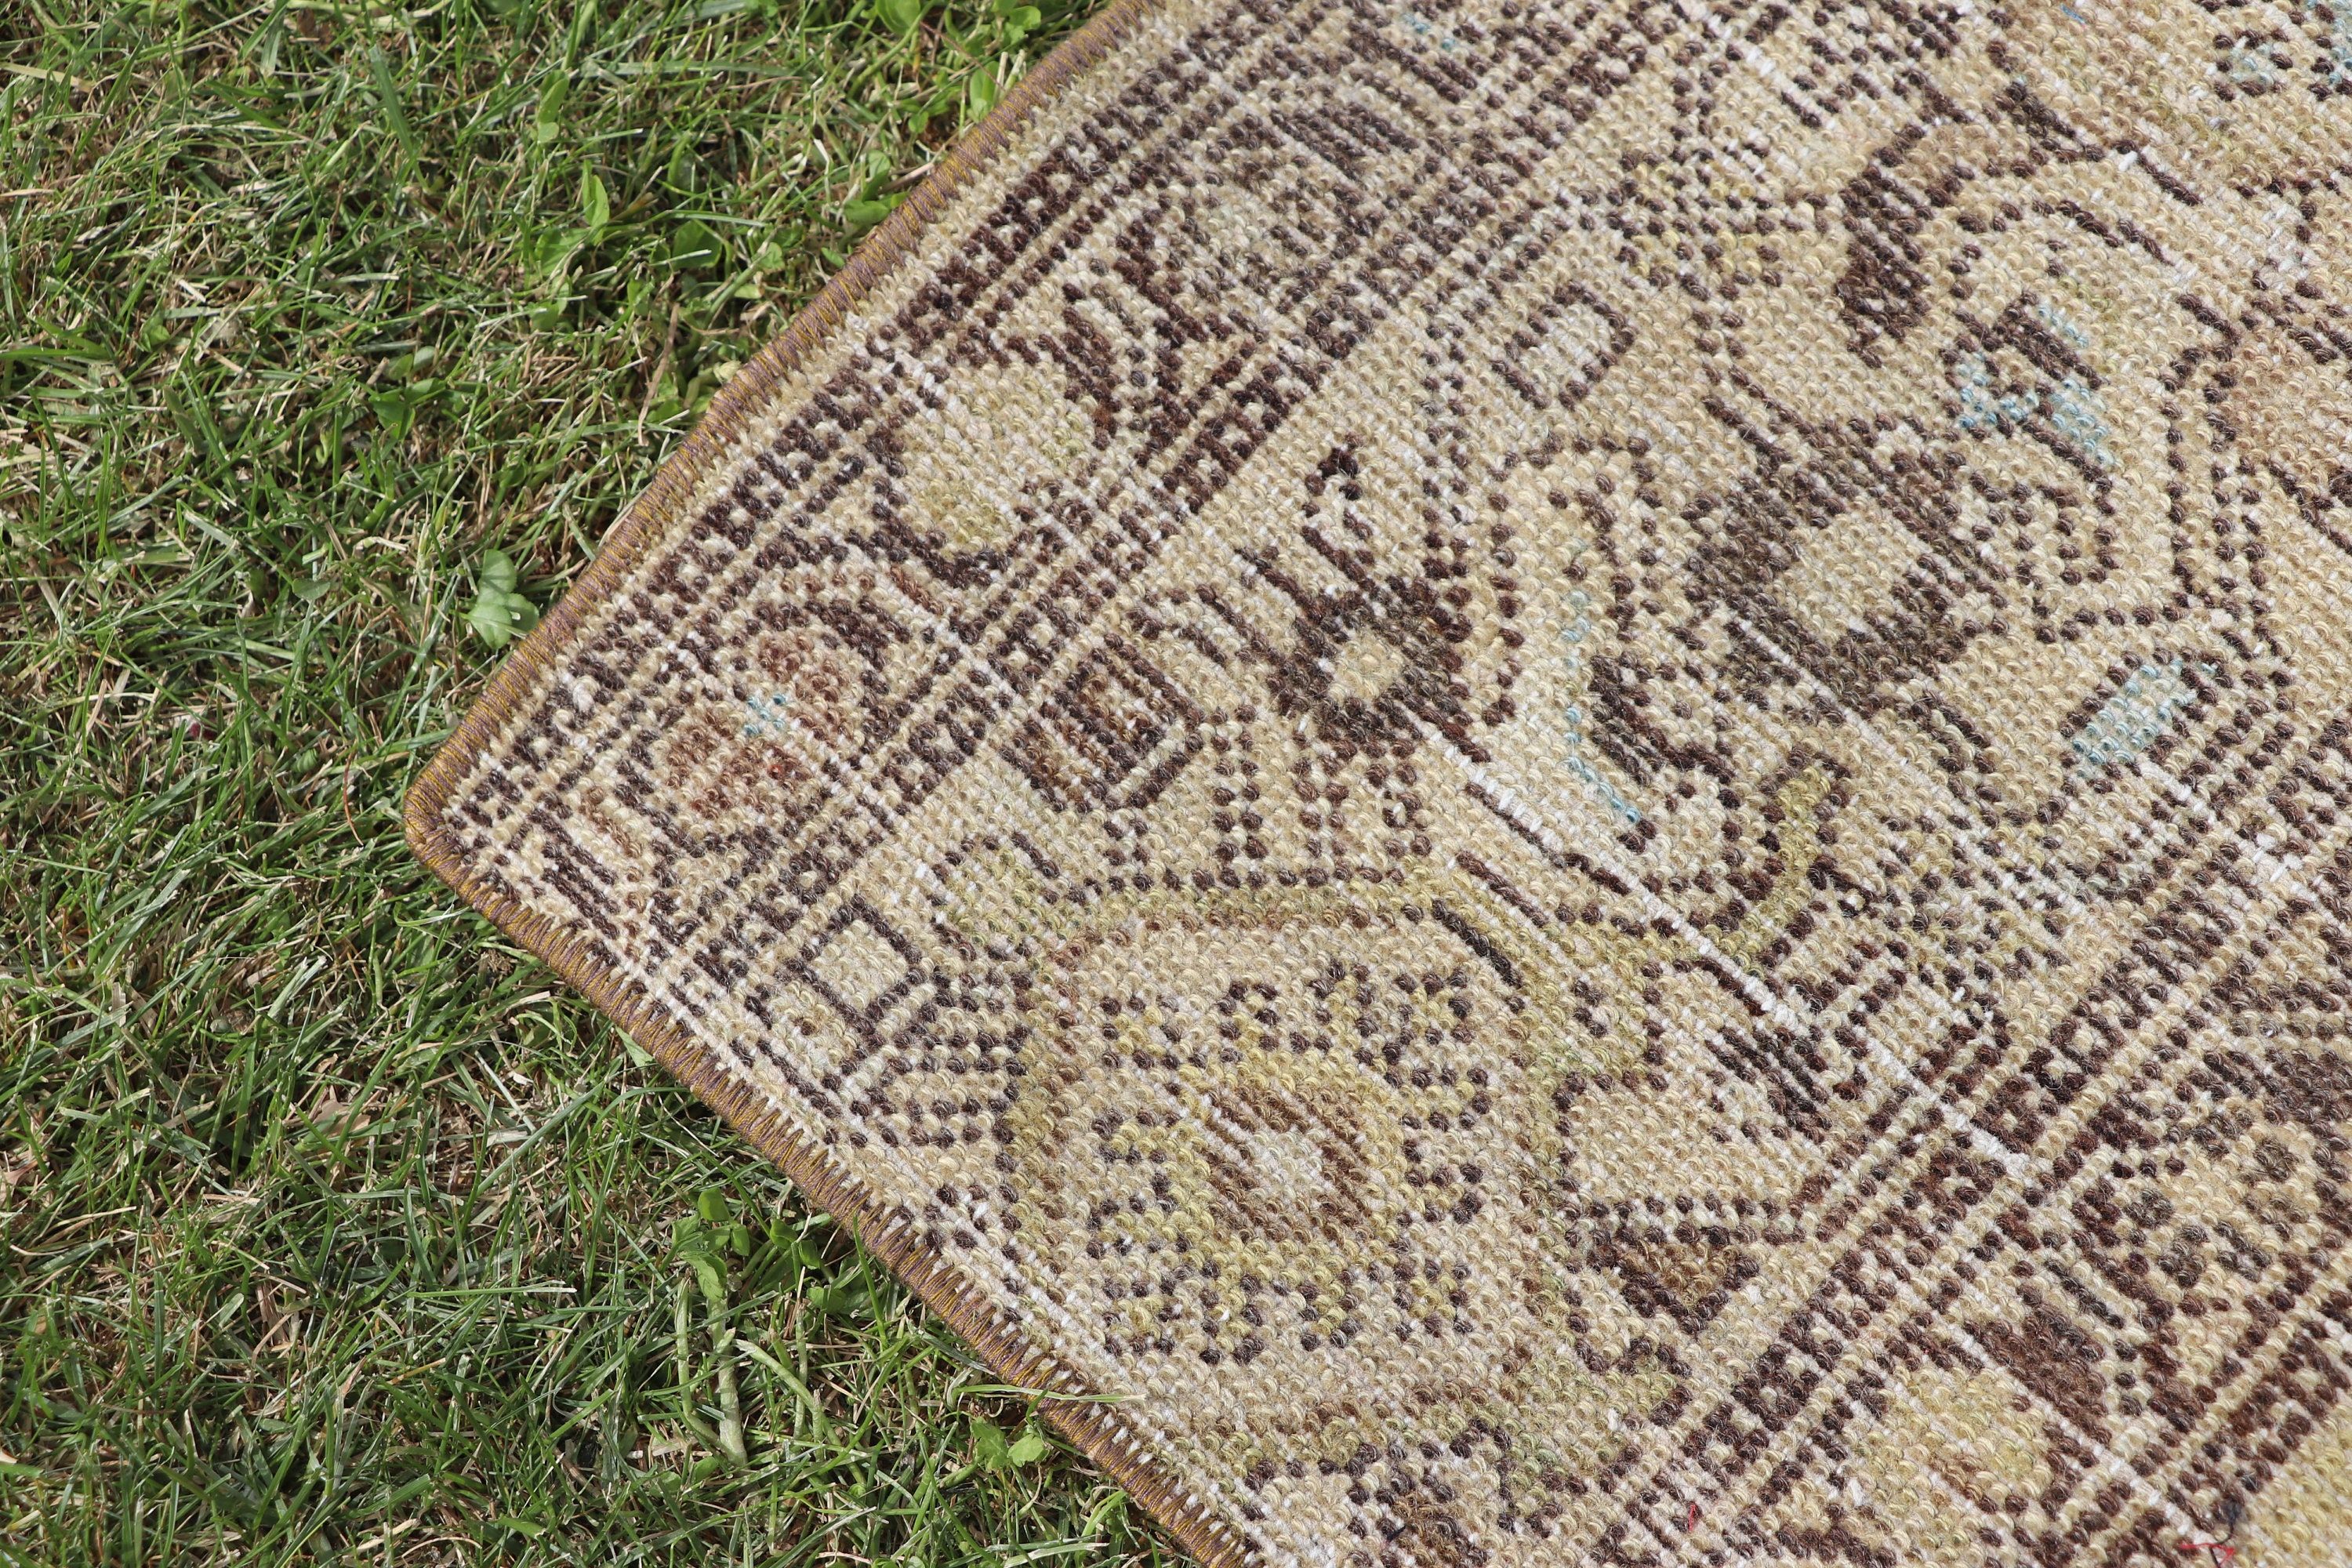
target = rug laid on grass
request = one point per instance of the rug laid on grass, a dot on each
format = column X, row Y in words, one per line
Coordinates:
column 1561, row 784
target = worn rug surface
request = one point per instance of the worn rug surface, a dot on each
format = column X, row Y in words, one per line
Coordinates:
column 1572, row 782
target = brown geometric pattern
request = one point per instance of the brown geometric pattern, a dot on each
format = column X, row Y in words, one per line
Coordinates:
column 1573, row 783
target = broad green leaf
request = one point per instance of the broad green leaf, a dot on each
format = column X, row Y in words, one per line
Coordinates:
column 499, row 618
column 547, row 119
column 694, row 248
column 988, row 1450
column 595, row 204
column 851, row 1300
column 694, row 1245
column 864, row 215
column 393, row 409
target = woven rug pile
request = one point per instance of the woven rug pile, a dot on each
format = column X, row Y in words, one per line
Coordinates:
column 1551, row 783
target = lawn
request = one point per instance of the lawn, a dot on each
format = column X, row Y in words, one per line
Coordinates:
column 332, row 338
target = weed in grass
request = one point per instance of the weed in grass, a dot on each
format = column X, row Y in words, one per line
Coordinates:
column 331, row 339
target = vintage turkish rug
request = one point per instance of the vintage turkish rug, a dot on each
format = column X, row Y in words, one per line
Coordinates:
column 1555, row 784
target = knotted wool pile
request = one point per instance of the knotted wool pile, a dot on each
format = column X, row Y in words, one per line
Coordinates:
column 1552, row 784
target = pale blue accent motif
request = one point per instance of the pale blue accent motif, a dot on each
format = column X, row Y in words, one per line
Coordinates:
column 2134, row 717
column 2074, row 410
column 2253, row 64
column 1422, row 27
column 2073, row 336
column 1979, row 409
column 1574, row 636
column 769, row 714
column 2076, row 414
column 2339, row 41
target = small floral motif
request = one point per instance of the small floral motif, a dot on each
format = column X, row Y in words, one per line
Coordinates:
column 1548, row 783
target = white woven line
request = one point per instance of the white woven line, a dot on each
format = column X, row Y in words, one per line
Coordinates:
column 1936, row 1477
column 1676, row 1473
column 1788, row 1163
column 2014, row 1165
column 2335, row 1334
column 1770, row 1001
column 2279, row 873
column 1096, row 488
column 1969, row 841
column 1969, row 838
column 2107, row 1460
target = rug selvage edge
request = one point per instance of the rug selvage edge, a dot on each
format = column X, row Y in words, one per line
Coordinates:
column 1092, row 1429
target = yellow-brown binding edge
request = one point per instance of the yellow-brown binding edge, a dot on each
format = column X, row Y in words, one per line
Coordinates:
column 1093, row 1428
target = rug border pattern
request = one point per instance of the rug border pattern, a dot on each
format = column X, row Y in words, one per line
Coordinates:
column 1093, row 1428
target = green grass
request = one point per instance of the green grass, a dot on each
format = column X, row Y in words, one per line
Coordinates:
column 334, row 1228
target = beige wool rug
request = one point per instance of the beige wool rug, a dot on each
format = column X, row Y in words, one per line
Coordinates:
column 1559, row 783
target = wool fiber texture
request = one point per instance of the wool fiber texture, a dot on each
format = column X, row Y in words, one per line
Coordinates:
column 1548, row 783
